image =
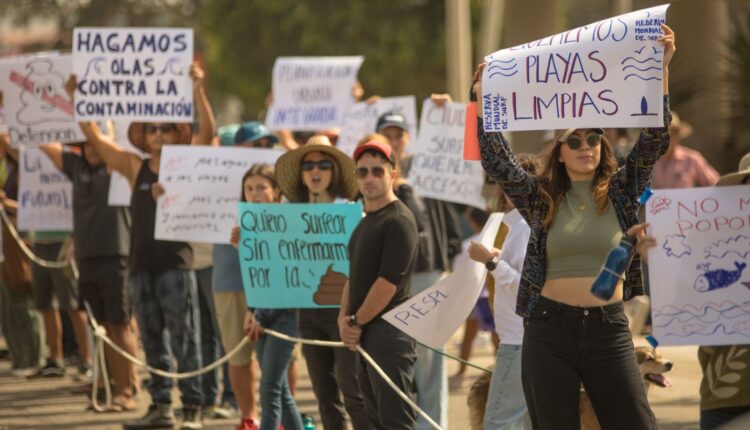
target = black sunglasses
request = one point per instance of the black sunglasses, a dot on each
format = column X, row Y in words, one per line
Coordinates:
column 575, row 142
column 307, row 166
column 164, row 128
column 377, row 171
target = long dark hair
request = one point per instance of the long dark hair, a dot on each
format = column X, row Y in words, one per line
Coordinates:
column 334, row 188
column 554, row 180
column 263, row 170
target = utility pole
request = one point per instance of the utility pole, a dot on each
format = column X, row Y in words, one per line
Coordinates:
column 458, row 64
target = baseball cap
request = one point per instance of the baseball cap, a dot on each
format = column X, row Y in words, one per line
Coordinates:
column 392, row 119
column 378, row 146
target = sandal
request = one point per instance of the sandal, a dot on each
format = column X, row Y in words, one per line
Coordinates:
column 123, row 404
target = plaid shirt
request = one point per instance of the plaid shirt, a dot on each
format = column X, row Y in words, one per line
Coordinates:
column 626, row 186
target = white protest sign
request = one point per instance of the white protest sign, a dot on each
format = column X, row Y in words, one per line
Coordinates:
column 140, row 74
column 3, row 124
column 438, row 170
column 45, row 194
column 605, row 74
column 37, row 108
column 202, row 187
column 432, row 316
column 311, row 93
column 361, row 119
column 698, row 272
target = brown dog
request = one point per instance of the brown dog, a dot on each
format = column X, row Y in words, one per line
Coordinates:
column 651, row 363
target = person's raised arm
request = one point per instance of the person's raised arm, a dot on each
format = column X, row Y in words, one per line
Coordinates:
column 206, row 118
column 54, row 151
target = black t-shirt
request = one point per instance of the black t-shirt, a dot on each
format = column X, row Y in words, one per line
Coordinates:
column 384, row 244
column 100, row 230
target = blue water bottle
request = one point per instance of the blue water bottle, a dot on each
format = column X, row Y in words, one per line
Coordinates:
column 308, row 423
column 614, row 268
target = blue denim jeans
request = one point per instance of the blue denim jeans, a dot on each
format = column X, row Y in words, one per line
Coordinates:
column 166, row 306
column 506, row 405
column 276, row 402
column 210, row 341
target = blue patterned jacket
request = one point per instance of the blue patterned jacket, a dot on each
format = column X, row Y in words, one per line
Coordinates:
column 626, row 186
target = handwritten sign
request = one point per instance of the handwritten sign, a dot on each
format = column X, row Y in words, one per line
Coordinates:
column 295, row 255
column 37, row 108
column 45, row 194
column 605, row 74
column 311, row 93
column 140, row 74
column 438, row 169
column 432, row 316
column 203, row 186
column 703, row 237
column 361, row 119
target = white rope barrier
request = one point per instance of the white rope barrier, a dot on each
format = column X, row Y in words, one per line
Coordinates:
column 29, row 253
column 100, row 333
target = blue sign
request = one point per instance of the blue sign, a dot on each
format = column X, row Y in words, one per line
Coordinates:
column 295, row 255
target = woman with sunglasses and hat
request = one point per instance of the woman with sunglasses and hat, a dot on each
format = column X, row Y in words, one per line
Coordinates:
column 319, row 173
column 578, row 209
column 162, row 285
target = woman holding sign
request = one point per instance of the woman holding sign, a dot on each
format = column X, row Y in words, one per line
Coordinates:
column 319, row 173
column 578, row 209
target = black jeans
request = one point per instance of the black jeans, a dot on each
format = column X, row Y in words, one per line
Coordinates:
column 566, row 346
column 331, row 369
column 395, row 352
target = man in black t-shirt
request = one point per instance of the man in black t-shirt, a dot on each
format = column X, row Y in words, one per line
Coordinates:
column 383, row 253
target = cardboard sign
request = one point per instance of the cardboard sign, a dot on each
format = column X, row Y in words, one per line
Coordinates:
column 432, row 316
column 45, row 194
column 296, row 255
column 361, row 119
column 698, row 272
column 203, row 185
column 139, row 74
column 438, row 168
column 605, row 74
column 311, row 93
column 37, row 108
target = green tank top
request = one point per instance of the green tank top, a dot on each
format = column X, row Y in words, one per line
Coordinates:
column 579, row 239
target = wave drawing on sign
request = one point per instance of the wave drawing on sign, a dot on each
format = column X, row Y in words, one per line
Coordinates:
column 42, row 94
column 717, row 279
column 675, row 246
column 708, row 313
column 504, row 68
column 170, row 66
column 738, row 245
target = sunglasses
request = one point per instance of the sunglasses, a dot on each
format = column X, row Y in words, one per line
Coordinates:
column 164, row 128
column 377, row 171
column 307, row 166
column 575, row 142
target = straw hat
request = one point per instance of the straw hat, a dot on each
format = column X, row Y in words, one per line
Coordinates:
column 288, row 168
column 137, row 138
column 737, row 177
column 682, row 129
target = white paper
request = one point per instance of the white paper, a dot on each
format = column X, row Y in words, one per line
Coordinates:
column 45, row 194
column 361, row 119
column 700, row 282
column 37, row 108
column 311, row 93
column 432, row 316
column 438, row 169
column 139, row 74
column 202, row 187
column 605, row 74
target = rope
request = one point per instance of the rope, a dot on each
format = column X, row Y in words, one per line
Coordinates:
column 460, row 360
column 99, row 365
column 30, row 254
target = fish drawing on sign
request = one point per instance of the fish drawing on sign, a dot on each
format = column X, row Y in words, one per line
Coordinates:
column 718, row 278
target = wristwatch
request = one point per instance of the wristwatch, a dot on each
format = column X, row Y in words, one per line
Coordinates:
column 491, row 264
column 353, row 321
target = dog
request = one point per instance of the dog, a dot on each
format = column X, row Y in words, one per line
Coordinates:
column 650, row 362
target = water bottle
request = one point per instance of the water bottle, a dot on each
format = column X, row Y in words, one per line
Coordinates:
column 308, row 422
column 614, row 267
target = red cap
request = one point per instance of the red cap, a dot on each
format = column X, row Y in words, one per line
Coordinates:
column 377, row 145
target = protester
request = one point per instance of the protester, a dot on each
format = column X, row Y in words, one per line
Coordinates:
column 162, row 284
column 319, row 173
column 506, row 406
column 274, row 355
column 577, row 210
column 20, row 322
column 102, row 239
column 383, row 254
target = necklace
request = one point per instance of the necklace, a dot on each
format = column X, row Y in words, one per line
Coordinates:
column 582, row 205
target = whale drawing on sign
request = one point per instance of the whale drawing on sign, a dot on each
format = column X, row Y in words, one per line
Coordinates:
column 717, row 279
